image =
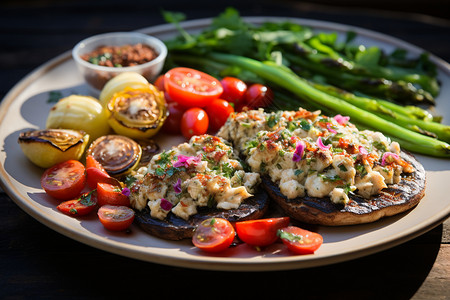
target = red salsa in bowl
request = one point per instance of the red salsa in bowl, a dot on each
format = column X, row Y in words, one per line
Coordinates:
column 102, row 57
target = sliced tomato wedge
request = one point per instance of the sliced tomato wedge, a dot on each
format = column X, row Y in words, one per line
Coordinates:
column 64, row 181
column 91, row 162
column 260, row 232
column 79, row 207
column 190, row 87
column 111, row 194
column 213, row 235
column 300, row 241
column 96, row 173
column 115, row 218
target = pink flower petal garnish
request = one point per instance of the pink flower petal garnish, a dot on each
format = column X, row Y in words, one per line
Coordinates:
column 166, row 205
column 321, row 145
column 330, row 129
column 363, row 150
column 181, row 162
column 341, row 119
column 177, row 186
column 126, row 191
column 389, row 157
column 299, row 149
column 186, row 161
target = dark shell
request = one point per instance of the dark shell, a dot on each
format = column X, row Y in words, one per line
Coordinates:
column 392, row 200
column 175, row 228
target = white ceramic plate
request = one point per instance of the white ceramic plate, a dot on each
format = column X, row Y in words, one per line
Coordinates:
column 26, row 107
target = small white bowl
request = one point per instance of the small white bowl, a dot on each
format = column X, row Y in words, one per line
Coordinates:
column 96, row 76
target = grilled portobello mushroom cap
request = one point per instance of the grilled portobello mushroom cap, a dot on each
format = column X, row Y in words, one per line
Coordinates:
column 176, row 228
column 394, row 199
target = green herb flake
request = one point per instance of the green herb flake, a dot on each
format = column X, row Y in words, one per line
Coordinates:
column 298, row 172
column 289, row 236
column 54, row 96
column 86, row 199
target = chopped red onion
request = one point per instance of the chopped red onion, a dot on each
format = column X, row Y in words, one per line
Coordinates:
column 299, row 149
column 166, row 205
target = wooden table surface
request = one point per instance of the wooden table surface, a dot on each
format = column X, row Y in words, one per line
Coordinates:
column 37, row 262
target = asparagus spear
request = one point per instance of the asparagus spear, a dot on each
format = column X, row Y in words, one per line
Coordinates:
column 334, row 73
column 413, row 141
column 390, row 112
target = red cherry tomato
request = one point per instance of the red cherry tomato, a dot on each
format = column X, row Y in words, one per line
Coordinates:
column 300, row 241
column 258, row 95
column 115, row 218
column 79, row 207
column 261, row 232
column 65, row 180
column 91, row 162
column 234, row 90
column 96, row 173
column 213, row 235
column 159, row 83
column 218, row 111
column 194, row 122
column 111, row 194
column 191, row 88
column 173, row 122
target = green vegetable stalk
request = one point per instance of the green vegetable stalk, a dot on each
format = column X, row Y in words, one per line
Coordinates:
column 415, row 142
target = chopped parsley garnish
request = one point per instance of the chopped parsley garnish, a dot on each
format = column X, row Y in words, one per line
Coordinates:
column 305, row 125
column 273, row 119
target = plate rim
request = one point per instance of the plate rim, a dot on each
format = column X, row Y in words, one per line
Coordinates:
column 204, row 262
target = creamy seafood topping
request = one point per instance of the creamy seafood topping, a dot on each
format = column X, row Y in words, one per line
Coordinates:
column 307, row 153
column 205, row 172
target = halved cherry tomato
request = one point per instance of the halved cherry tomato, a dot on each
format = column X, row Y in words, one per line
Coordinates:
column 79, row 207
column 64, row 180
column 173, row 122
column 300, row 241
column 213, row 235
column 115, row 218
column 258, row 95
column 111, row 194
column 234, row 90
column 191, row 88
column 261, row 232
column 218, row 111
column 194, row 121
